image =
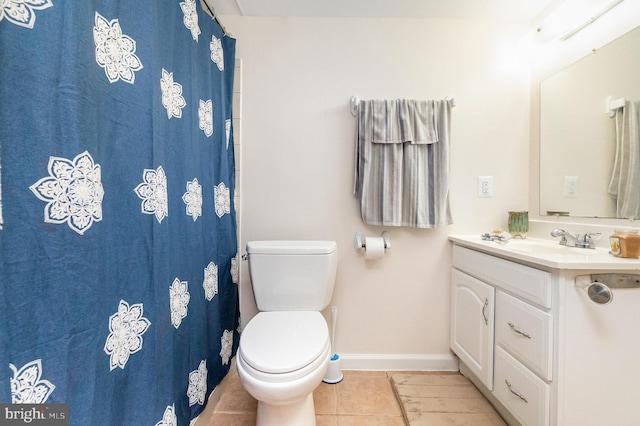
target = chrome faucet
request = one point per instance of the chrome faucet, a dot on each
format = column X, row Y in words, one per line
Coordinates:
column 580, row 241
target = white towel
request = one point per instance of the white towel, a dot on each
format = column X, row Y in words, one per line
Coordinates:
column 625, row 178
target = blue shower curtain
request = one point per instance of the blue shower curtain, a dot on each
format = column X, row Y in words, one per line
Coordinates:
column 118, row 250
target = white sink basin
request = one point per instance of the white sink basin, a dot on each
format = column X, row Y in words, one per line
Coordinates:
column 549, row 253
column 544, row 247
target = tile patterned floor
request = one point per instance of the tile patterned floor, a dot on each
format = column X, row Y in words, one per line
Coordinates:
column 437, row 399
column 371, row 398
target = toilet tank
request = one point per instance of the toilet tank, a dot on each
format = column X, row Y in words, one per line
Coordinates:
column 292, row 275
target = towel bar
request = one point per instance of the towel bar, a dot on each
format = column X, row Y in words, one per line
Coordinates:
column 613, row 104
column 355, row 103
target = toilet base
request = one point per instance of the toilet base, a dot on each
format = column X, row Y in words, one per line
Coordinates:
column 297, row 413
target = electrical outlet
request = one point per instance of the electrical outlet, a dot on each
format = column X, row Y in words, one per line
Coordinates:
column 571, row 186
column 485, row 186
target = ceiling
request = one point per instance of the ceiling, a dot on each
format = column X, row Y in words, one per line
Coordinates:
column 442, row 9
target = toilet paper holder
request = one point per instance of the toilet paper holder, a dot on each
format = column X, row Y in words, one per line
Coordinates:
column 359, row 243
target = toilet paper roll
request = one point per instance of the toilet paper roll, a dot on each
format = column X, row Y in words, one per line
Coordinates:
column 374, row 248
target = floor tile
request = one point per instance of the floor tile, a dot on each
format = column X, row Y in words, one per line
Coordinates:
column 325, row 399
column 442, row 400
column 447, row 405
column 326, row 420
column 225, row 419
column 370, row 421
column 235, row 399
column 455, row 419
column 427, row 391
column 367, row 394
column 430, row 379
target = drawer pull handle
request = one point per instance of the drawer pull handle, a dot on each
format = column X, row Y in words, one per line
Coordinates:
column 518, row 331
column 519, row 395
column 486, row 303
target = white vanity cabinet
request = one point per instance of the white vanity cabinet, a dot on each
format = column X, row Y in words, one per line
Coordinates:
column 529, row 337
column 501, row 330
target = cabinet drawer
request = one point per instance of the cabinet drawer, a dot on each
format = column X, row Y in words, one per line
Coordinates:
column 526, row 332
column 531, row 284
column 523, row 393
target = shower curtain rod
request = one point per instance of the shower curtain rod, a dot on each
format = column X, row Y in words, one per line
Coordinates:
column 355, row 101
column 212, row 12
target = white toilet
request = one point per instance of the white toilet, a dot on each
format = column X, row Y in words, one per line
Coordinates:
column 285, row 349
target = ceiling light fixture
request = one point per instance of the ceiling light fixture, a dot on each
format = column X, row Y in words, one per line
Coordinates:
column 569, row 17
column 590, row 21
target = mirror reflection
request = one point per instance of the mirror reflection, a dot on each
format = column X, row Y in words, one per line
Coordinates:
column 590, row 158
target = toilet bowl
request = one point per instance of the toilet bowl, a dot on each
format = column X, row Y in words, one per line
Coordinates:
column 282, row 358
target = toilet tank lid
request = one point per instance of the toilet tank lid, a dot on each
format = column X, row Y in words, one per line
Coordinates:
column 291, row 247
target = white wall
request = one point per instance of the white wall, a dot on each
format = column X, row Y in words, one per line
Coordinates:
column 298, row 75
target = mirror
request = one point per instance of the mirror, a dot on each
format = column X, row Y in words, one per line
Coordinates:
column 577, row 136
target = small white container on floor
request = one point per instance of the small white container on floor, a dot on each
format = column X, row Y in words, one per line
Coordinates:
column 334, row 372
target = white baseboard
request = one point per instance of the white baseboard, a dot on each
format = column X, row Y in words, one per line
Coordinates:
column 399, row 362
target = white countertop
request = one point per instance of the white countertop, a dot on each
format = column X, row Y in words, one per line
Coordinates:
column 548, row 253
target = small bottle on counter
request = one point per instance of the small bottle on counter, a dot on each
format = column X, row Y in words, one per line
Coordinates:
column 625, row 243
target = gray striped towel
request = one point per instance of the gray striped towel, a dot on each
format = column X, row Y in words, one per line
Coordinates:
column 402, row 163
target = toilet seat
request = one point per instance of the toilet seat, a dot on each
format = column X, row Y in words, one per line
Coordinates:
column 284, row 343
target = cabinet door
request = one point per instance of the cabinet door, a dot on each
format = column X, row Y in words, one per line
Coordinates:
column 472, row 315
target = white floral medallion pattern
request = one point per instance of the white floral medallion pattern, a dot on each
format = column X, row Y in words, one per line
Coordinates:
column 190, row 18
column 126, row 328
column 193, row 199
column 153, row 192
column 234, row 269
column 197, row 389
column 227, row 345
column 21, row 12
column 227, row 131
column 27, row 385
column 169, row 417
column 205, row 117
column 217, row 55
column 73, row 192
column 178, row 301
column 172, row 98
column 115, row 52
column 222, row 199
column 210, row 283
